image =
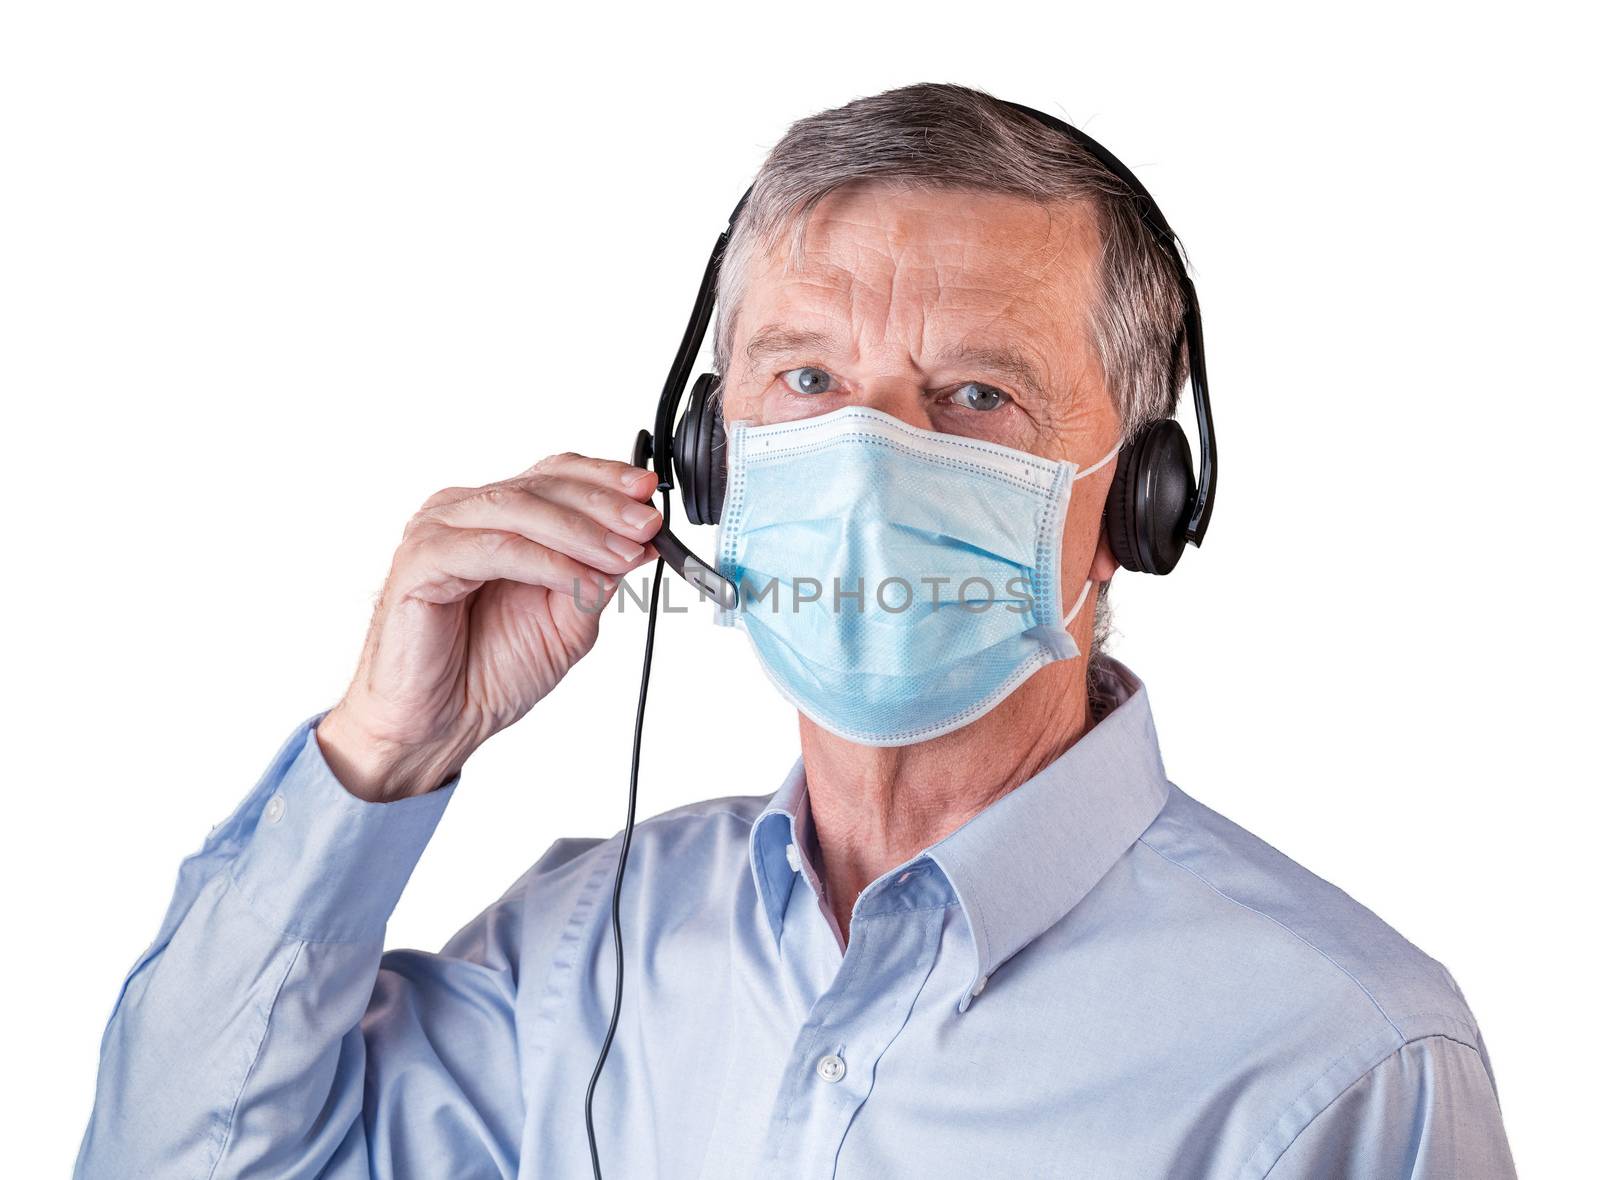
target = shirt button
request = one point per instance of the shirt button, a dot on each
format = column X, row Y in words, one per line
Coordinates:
column 831, row 1068
column 275, row 808
column 793, row 853
column 983, row 982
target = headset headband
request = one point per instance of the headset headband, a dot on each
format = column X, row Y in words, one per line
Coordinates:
column 1149, row 214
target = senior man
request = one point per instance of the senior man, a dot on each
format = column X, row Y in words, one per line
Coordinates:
column 1009, row 947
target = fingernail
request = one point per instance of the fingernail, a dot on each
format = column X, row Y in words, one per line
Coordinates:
column 638, row 515
column 622, row 547
column 634, row 477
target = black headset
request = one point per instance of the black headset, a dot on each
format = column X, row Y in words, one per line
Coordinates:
column 1154, row 506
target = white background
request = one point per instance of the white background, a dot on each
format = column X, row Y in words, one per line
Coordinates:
column 270, row 275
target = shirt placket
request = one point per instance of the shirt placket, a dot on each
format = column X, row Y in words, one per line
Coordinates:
column 894, row 939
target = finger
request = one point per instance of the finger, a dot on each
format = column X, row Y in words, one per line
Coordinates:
column 633, row 481
column 605, row 505
column 446, row 496
column 511, row 509
column 642, row 585
column 456, row 561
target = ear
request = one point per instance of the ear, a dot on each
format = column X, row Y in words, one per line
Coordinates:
column 1104, row 564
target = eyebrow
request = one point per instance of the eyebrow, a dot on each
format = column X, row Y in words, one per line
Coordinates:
column 775, row 340
column 779, row 339
column 999, row 358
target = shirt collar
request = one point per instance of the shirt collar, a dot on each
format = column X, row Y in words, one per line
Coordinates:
column 1021, row 864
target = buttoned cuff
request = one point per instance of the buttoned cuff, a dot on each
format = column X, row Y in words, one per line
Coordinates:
column 316, row 862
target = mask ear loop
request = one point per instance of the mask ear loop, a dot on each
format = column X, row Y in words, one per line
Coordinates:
column 1076, row 476
column 1083, row 596
column 1056, row 639
column 1104, row 459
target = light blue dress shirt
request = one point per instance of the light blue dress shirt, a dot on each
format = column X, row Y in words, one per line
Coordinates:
column 1095, row 977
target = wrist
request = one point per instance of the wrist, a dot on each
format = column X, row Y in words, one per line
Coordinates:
column 380, row 770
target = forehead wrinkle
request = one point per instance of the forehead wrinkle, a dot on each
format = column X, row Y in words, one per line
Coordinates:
column 791, row 290
column 857, row 282
column 877, row 265
column 926, row 307
column 955, row 269
column 917, row 291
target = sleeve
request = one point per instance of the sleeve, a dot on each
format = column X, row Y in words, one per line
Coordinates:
column 265, row 1033
column 1428, row 1111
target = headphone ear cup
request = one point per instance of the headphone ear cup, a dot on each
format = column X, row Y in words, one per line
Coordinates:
column 1119, row 515
column 1150, row 499
column 716, row 455
column 698, row 445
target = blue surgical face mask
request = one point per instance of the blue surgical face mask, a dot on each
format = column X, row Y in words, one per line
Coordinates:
column 896, row 583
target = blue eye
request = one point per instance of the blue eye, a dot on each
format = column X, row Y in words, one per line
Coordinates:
column 981, row 397
column 807, row 380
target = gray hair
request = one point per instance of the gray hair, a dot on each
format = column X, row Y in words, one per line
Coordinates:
column 939, row 135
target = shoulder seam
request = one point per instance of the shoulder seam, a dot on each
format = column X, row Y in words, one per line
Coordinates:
column 1371, row 999
column 1355, row 1081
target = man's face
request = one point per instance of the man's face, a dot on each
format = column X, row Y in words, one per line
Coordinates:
column 958, row 312
column 897, row 300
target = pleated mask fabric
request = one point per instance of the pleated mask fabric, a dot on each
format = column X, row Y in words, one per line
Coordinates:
column 896, row 583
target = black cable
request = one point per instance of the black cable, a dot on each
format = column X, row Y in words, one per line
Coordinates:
column 627, row 840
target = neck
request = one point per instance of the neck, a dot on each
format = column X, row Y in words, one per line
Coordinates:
column 874, row 808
